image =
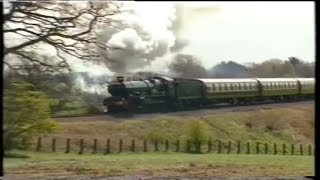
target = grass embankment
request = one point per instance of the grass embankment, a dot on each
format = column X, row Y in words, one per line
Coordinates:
column 283, row 125
column 159, row 164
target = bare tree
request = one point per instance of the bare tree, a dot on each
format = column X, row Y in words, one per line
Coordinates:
column 66, row 27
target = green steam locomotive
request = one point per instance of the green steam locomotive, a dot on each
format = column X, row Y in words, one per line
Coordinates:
column 179, row 93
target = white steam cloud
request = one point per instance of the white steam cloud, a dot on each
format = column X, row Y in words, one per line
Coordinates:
column 146, row 35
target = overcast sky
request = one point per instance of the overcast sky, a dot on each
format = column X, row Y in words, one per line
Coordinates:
column 253, row 32
column 243, row 32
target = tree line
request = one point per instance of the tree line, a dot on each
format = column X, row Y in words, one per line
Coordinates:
column 190, row 67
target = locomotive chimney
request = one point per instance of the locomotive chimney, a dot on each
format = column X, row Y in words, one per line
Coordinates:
column 120, row 79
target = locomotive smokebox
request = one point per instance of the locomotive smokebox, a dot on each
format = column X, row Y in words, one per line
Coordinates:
column 120, row 79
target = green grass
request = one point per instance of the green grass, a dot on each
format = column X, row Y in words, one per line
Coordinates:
column 293, row 125
column 160, row 164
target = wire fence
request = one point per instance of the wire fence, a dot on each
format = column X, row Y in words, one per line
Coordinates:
column 107, row 146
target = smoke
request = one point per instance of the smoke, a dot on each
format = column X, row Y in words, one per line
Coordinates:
column 145, row 35
column 145, row 38
column 92, row 84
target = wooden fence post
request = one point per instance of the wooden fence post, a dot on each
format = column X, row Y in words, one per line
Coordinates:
column 54, row 145
column 81, row 146
column 156, row 146
column 132, row 145
column 107, row 147
column 292, row 149
column 238, row 147
column 257, row 148
column 266, row 148
column 95, row 142
column 178, row 146
column 301, row 149
column 284, row 149
column 167, row 145
column 229, row 147
column 310, row 149
column 275, row 151
column 145, row 147
column 67, row 146
column 209, row 145
column 39, row 143
column 248, row 147
column 219, row 146
column 120, row 145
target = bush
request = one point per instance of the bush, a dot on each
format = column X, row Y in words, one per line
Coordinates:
column 197, row 132
column 93, row 109
column 26, row 115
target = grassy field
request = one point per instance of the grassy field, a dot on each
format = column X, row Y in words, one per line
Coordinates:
column 283, row 125
column 158, row 164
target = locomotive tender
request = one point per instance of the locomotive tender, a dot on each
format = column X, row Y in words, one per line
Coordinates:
column 179, row 93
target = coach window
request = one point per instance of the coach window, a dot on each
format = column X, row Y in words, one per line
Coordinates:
column 225, row 87
column 213, row 87
column 235, row 87
column 231, row 87
column 253, row 86
column 249, row 86
column 220, row 87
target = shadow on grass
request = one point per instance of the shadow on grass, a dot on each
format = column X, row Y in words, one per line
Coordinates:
column 15, row 155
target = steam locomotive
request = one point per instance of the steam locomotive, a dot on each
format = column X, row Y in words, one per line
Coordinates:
column 167, row 93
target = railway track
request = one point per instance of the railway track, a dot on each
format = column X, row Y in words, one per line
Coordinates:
column 219, row 108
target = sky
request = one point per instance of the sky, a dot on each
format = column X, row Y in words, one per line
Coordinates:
column 243, row 32
column 253, row 32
